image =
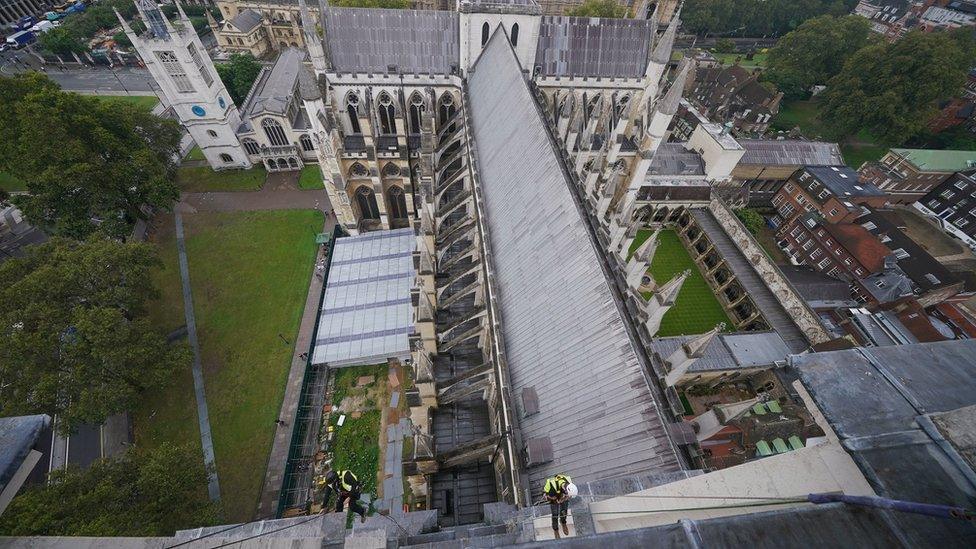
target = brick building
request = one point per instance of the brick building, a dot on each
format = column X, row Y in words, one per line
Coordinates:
column 833, row 192
column 907, row 174
column 954, row 202
column 768, row 163
column 845, row 250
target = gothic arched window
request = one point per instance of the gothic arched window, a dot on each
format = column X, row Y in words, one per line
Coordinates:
column 484, row 33
column 358, row 171
column 226, row 158
column 417, row 109
column 292, row 162
column 276, row 135
column 514, row 34
column 391, row 170
column 398, row 203
column 447, row 108
column 352, row 109
column 366, row 199
column 387, row 114
column 250, row 145
column 306, row 142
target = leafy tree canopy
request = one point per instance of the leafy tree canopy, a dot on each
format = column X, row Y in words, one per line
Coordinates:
column 751, row 219
column 82, row 27
column 140, row 494
column 61, row 41
column 74, row 338
column 238, row 74
column 90, row 165
column 815, row 52
column 892, row 90
column 755, row 17
column 598, row 8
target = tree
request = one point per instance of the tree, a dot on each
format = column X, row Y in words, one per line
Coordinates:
column 239, row 75
column 755, row 17
column 89, row 165
column 143, row 493
column 892, row 90
column 815, row 52
column 62, row 42
column 724, row 45
column 598, row 8
column 74, row 338
column 753, row 221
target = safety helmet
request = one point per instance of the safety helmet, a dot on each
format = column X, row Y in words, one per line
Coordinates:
column 572, row 490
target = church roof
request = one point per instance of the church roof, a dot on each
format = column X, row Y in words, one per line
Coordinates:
column 592, row 46
column 246, row 21
column 563, row 329
column 276, row 87
column 374, row 40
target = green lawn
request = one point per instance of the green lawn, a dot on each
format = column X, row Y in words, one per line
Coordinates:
column 758, row 60
column 696, row 310
column 10, row 183
column 357, row 444
column 856, row 149
column 201, row 179
column 195, row 154
column 144, row 101
column 311, row 178
column 250, row 273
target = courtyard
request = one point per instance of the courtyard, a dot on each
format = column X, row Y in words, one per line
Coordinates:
column 696, row 310
column 250, row 274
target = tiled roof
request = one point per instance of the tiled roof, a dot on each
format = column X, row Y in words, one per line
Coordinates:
column 17, row 436
column 246, row 21
column 843, row 182
column 790, row 152
column 275, row 90
column 925, row 271
column 564, row 333
column 591, row 46
column 860, row 243
column 373, row 40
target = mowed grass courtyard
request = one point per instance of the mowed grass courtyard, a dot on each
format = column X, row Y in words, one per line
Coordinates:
column 696, row 310
column 250, row 273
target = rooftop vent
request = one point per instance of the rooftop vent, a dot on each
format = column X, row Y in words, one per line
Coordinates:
column 538, row 451
column 530, row 402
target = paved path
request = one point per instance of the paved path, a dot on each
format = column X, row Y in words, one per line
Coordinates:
column 278, row 193
column 203, row 416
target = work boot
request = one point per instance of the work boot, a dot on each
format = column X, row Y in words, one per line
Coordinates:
column 362, row 519
column 557, row 533
column 565, row 528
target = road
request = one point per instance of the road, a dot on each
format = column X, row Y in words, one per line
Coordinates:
column 81, row 79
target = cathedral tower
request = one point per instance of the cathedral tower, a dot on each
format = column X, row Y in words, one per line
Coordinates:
column 188, row 80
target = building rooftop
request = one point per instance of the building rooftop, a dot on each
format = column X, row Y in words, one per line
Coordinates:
column 275, row 88
column 500, row 6
column 886, row 405
column 674, row 159
column 843, row 182
column 246, row 21
column 730, row 351
column 374, row 40
column 818, row 289
column 930, row 160
column 367, row 313
column 592, row 46
column 925, row 271
column 17, row 437
column 789, row 152
column 563, row 330
column 864, row 246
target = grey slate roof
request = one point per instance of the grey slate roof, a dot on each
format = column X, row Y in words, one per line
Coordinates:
column 790, row 152
column 276, row 88
column 370, row 40
column 17, row 436
column 878, row 400
column 843, row 181
column 246, row 20
column 674, row 159
column 730, row 351
column 585, row 46
column 563, row 333
column 815, row 287
column 831, row 525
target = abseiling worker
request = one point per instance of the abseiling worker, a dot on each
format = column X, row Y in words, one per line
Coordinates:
column 558, row 490
column 346, row 486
